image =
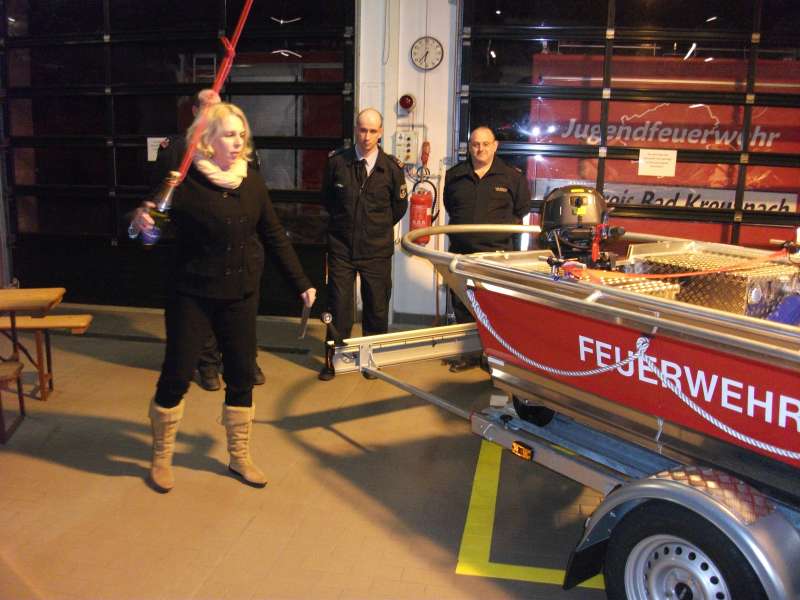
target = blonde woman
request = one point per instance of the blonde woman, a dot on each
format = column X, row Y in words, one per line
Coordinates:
column 223, row 220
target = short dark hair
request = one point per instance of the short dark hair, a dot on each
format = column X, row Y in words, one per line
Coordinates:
column 372, row 110
column 487, row 128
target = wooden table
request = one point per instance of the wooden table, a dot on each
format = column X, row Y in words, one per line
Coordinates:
column 30, row 300
column 33, row 301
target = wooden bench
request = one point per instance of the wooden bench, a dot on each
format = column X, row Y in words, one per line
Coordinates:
column 10, row 371
column 41, row 327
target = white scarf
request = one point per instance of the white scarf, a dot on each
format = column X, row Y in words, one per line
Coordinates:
column 230, row 179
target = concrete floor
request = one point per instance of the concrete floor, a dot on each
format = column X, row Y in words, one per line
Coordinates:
column 368, row 494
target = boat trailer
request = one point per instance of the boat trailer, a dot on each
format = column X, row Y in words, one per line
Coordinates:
column 685, row 514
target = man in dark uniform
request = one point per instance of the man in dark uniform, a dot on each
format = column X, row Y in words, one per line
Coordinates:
column 482, row 189
column 364, row 192
column 170, row 154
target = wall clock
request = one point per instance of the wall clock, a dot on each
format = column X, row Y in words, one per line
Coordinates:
column 427, row 53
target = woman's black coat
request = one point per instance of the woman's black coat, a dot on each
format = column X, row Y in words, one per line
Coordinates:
column 221, row 235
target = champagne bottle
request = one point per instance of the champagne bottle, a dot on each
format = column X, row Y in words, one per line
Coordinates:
column 160, row 214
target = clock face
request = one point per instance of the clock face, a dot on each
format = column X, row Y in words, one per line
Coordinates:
column 427, row 53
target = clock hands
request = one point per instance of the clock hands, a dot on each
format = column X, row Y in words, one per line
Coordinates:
column 426, row 53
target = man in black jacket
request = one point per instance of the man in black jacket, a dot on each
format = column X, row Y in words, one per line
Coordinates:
column 364, row 192
column 482, row 189
column 170, row 154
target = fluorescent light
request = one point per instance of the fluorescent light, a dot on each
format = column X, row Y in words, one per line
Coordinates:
column 12, row 20
column 709, row 19
column 691, row 51
column 492, row 54
column 500, row 12
column 285, row 52
column 285, row 21
column 709, row 59
column 696, row 105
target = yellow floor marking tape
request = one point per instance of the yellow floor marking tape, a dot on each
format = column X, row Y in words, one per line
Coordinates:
column 476, row 543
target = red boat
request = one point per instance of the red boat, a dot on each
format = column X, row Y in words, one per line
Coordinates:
column 625, row 352
column 671, row 348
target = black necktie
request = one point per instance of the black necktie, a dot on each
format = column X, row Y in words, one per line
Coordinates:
column 361, row 173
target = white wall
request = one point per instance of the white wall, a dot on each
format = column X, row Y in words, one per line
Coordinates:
column 385, row 31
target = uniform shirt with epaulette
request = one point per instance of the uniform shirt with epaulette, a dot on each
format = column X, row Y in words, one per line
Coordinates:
column 500, row 196
column 362, row 218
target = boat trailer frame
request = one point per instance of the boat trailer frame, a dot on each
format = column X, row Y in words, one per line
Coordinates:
column 626, row 473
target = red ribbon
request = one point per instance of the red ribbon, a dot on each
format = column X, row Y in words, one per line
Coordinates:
column 222, row 75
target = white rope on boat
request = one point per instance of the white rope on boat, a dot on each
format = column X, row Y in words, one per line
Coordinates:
column 715, row 421
column 642, row 345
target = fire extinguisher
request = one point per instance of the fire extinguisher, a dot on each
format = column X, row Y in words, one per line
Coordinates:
column 421, row 211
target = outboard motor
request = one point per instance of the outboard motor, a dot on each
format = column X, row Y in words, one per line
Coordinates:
column 574, row 223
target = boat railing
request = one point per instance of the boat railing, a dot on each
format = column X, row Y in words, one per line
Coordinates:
column 754, row 336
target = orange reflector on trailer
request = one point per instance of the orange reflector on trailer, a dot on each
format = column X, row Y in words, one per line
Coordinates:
column 524, row 451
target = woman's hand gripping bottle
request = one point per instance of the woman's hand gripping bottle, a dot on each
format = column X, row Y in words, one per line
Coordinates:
column 149, row 229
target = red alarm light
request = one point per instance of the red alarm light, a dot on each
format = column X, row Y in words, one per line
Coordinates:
column 407, row 102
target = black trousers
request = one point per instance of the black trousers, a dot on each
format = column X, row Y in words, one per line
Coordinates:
column 210, row 357
column 460, row 310
column 189, row 321
column 376, row 290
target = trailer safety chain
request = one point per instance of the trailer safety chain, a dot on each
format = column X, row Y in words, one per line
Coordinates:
column 642, row 345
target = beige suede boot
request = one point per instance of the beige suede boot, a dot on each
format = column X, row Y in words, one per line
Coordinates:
column 238, row 421
column 165, row 429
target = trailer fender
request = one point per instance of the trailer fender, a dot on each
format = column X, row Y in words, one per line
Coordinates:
column 763, row 534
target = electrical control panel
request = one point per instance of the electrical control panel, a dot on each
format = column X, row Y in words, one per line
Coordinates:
column 406, row 146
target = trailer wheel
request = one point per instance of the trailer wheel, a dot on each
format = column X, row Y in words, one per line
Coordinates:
column 538, row 415
column 662, row 551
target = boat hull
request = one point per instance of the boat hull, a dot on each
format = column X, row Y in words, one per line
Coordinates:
column 741, row 402
column 709, row 387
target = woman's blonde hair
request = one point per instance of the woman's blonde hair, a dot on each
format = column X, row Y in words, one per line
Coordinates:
column 214, row 115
